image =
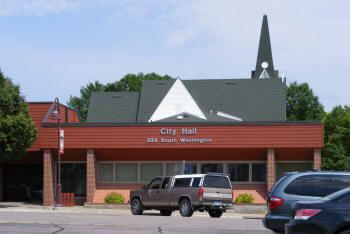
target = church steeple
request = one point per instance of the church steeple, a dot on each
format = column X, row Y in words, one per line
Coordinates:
column 264, row 64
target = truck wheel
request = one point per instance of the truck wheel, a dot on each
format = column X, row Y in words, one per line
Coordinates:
column 136, row 207
column 185, row 208
column 165, row 212
column 215, row 213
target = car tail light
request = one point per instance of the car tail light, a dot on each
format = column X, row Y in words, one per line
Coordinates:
column 200, row 192
column 275, row 202
column 306, row 213
column 232, row 193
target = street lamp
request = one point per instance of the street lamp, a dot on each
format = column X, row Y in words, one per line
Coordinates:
column 56, row 115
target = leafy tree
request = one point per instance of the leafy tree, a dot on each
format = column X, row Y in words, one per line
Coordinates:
column 130, row 82
column 336, row 151
column 81, row 103
column 17, row 130
column 302, row 104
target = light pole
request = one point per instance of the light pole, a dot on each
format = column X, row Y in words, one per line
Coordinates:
column 56, row 115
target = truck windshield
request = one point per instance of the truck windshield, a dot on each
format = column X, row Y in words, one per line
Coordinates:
column 216, row 182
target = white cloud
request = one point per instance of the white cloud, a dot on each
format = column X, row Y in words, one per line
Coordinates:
column 36, row 7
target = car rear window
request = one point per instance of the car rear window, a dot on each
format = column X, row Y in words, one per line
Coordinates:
column 317, row 185
column 182, row 182
column 216, row 182
column 196, row 181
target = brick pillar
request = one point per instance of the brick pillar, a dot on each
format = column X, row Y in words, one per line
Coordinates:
column 1, row 182
column 90, row 175
column 271, row 170
column 48, row 179
column 317, row 159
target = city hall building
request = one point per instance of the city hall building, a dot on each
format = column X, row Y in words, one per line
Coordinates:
column 232, row 126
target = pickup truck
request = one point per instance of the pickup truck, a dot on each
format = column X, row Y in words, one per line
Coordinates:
column 186, row 193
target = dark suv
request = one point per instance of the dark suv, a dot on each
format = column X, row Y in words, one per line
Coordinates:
column 295, row 186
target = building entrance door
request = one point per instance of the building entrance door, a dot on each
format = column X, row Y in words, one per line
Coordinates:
column 73, row 178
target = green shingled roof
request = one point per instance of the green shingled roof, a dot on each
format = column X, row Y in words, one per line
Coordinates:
column 248, row 99
column 113, row 107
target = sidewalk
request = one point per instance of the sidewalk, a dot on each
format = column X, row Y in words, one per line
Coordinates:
column 248, row 211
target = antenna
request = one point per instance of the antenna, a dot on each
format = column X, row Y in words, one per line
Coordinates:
column 283, row 76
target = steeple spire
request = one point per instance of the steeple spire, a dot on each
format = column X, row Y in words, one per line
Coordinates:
column 264, row 64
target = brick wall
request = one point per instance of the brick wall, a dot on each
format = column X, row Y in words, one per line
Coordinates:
column 48, row 179
column 258, row 191
column 90, row 175
column 317, row 159
column 271, row 171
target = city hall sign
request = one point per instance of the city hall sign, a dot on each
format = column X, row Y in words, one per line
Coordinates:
column 183, row 136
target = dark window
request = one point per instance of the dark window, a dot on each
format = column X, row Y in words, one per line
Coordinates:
column 259, row 172
column 318, row 185
column 196, row 182
column 73, row 178
column 238, row 171
column 190, row 168
column 211, row 167
column 182, row 182
column 165, row 183
column 155, row 184
column 216, row 182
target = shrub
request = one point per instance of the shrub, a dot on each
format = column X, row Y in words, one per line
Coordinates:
column 244, row 198
column 114, row 198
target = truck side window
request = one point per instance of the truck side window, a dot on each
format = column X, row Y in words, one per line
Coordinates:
column 182, row 182
column 155, row 184
column 165, row 183
column 196, row 181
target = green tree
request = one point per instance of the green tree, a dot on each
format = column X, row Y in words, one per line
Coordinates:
column 17, row 130
column 336, row 151
column 81, row 104
column 130, row 82
column 302, row 104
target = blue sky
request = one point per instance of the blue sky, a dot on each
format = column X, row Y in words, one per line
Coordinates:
column 53, row 47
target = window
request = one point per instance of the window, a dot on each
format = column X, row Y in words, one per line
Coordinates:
column 155, row 184
column 212, row 167
column 165, row 183
column 309, row 185
column 196, row 181
column 126, row 172
column 172, row 169
column 73, row 178
column 105, row 172
column 216, row 182
column 282, row 168
column 149, row 171
column 190, row 168
column 238, row 172
column 258, row 172
column 182, row 182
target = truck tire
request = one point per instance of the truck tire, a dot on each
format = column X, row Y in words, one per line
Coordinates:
column 185, row 208
column 165, row 212
column 215, row 213
column 136, row 207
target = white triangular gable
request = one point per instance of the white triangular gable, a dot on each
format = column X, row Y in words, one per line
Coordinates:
column 178, row 100
column 264, row 74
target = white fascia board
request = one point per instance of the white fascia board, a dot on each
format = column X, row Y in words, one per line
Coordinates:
column 219, row 113
column 178, row 100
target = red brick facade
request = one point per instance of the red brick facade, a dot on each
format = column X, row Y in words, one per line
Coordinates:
column 317, row 159
column 90, row 175
column 271, row 169
column 48, row 179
